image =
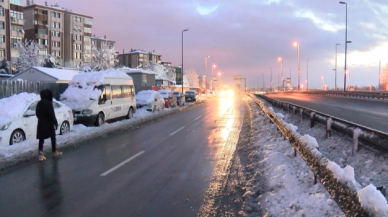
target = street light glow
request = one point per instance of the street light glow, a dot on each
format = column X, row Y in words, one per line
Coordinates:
column 214, row 66
column 295, row 44
column 219, row 73
column 280, row 59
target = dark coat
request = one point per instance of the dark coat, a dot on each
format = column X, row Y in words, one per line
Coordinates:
column 47, row 122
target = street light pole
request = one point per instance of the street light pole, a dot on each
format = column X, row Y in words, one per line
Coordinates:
column 271, row 81
column 263, row 82
column 182, row 56
column 307, row 85
column 281, row 68
column 323, row 79
column 290, row 78
column 346, row 41
column 336, row 54
column 379, row 74
column 296, row 44
column 206, row 57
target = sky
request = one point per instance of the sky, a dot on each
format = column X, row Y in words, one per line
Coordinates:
column 246, row 37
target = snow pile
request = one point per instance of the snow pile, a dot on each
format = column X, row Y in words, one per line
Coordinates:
column 372, row 200
column 345, row 175
column 82, row 88
column 14, row 106
column 310, row 141
column 280, row 115
column 292, row 128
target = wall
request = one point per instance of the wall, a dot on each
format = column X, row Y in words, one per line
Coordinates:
column 9, row 88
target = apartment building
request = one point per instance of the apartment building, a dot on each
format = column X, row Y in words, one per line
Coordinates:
column 136, row 58
column 78, row 41
column 11, row 28
column 45, row 25
column 99, row 42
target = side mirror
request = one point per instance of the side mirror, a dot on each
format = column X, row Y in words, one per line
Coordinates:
column 29, row 113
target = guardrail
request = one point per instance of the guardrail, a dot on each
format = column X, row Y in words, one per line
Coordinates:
column 354, row 94
column 360, row 134
column 340, row 192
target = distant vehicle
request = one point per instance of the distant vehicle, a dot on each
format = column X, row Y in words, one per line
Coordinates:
column 191, row 95
column 18, row 120
column 150, row 100
column 180, row 98
column 96, row 97
column 169, row 98
column 226, row 91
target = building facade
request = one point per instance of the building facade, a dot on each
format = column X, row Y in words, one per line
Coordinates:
column 45, row 25
column 78, row 41
column 137, row 58
column 99, row 42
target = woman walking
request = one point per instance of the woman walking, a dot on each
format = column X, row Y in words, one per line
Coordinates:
column 47, row 122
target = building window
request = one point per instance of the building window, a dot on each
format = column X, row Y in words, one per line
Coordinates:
column 56, row 25
column 77, row 19
column 56, row 54
column 88, row 21
column 55, row 34
column 17, row 28
column 1, row 11
column 15, row 40
column 56, row 44
column 2, row 38
column 16, row 15
column 87, row 30
column 87, row 39
column 2, row 52
column 42, row 42
column 2, row 25
column 41, row 31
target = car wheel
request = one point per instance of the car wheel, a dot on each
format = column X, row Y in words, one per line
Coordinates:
column 17, row 136
column 130, row 114
column 65, row 127
column 100, row 119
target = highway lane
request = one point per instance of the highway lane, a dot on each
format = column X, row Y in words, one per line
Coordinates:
column 373, row 114
column 165, row 168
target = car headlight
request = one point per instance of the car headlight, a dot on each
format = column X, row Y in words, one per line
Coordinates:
column 4, row 127
column 87, row 112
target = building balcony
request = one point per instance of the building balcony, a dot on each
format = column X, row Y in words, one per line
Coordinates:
column 17, row 34
column 87, row 25
column 41, row 17
column 41, row 36
column 17, row 21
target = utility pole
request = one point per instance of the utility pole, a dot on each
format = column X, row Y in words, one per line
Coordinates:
column 379, row 75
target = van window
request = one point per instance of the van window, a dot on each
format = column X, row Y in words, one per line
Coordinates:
column 105, row 94
column 126, row 91
column 116, row 92
column 132, row 90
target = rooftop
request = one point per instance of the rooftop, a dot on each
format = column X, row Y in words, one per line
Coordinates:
column 132, row 70
column 100, row 38
column 60, row 74
column 140, row 51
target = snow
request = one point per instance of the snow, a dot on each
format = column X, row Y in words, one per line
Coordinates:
column 60, row 74
column 82, row 87
column 372, row 200
column 144, row 71
column 14, row 106
column 345, row 175
column 310, row 141
column 281, row 184
column 280, row 115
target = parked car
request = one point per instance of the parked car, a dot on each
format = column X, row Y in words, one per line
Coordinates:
column 18, row 121
column 96, row 97
column 150, row 100
column 169, row 98
column 180, row 98
column 191, row 95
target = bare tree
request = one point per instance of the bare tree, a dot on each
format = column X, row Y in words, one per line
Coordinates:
column 104, row 58
column 191, row 78
column 28, row 55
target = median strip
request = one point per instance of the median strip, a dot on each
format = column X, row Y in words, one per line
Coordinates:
column 122, row 163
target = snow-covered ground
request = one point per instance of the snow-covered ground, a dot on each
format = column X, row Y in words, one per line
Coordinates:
column 282, row 185
column 363, row 171
column 24, row 151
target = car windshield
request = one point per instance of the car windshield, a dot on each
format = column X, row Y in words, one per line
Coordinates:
column 164, row 94
column 176, row 93
column 189, row 93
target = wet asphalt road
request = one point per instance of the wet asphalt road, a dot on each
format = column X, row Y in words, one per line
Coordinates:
column 170, row 167
column 373, row 114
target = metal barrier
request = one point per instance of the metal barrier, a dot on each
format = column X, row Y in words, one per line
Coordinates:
column 353, row 94
column 344, row 195
column 359, row 133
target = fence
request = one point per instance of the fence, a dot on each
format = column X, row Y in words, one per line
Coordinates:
column 9, row 88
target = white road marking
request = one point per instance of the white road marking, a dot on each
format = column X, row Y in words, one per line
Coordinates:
column 198, row 118
column 177, row 131
column 122, row 163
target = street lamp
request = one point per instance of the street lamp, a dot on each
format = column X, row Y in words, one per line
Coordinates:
column 219, row 77
column 213, row 67
column 323, row 79
column 290, row 77
column 182, row 56
column 336, row 54
column 271, row 80
column 346, row 41
column 296, row 44
column 281, row 68
column 307, row 84
column 206, row 57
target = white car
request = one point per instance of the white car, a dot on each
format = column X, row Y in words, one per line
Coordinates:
column 18, row 121
column 150, row 100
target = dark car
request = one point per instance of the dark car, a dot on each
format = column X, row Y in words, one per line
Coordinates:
column 169, row 98
column 191, row 95
column 180, row 98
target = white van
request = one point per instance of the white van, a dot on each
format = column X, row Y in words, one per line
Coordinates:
column 96, row 97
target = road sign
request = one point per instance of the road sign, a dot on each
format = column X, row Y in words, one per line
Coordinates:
column 178, row 72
